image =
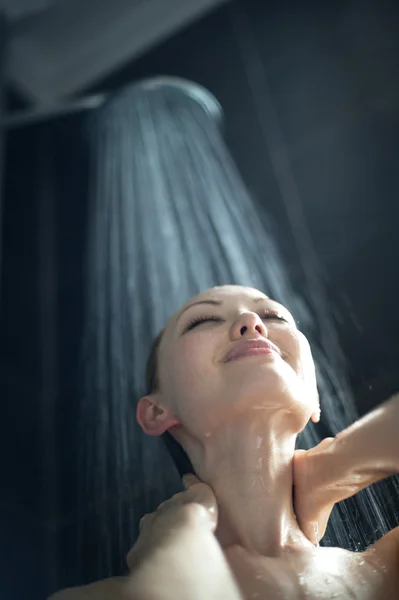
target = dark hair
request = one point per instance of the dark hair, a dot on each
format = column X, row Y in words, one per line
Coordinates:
column 178, row 455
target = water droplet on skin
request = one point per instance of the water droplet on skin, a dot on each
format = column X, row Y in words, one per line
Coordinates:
column 259, row 440
column 361, row 562
column 316, row 534
column 207, row 434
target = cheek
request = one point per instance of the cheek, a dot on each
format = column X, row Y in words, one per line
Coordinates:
column 299, row 356
column 196, row 353
column 307, row 364
column 195, row 383
column 288, row 340
column 191, row 365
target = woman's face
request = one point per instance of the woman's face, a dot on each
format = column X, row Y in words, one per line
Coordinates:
column 210, row 368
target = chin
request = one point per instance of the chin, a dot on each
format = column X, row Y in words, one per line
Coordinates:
column 276, row 375
column 272, row 390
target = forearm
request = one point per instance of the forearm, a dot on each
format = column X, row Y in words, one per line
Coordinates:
column 194, row 568
column 364, row 453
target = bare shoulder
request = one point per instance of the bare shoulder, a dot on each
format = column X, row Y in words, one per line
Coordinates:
column 384, row 555
column 321, row 572
column 387, row 547
column 107, row 589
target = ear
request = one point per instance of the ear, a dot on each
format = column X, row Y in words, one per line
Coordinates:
column 315, row 417
column 309, row 377
column 154, row 418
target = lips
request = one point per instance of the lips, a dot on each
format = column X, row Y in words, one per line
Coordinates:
column 251, row 348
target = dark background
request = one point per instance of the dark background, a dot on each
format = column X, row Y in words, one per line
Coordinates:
column 332, row 72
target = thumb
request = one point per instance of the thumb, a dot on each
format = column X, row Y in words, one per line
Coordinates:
column 299, row 453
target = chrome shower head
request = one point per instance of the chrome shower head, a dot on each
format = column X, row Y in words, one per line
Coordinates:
column 203, row 97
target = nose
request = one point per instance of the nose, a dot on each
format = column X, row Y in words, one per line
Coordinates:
column 250, row 325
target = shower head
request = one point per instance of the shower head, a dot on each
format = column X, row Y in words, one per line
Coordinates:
column 196, row 92
column 203, row 97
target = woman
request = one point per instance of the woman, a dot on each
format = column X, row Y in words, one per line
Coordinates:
column 235, row 385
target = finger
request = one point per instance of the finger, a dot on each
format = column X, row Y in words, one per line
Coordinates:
column 131, row 558
column 189, row 479
column 326, row 442
column 298, row 453
column 200, row 493
column 143, row 521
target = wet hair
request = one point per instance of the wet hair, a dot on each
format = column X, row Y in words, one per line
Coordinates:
column 177, row 453
column 152, row 372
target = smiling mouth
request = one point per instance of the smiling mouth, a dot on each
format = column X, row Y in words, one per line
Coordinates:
column 254, row 348
column 253, row 352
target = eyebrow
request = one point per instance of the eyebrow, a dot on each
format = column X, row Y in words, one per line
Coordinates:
column 214, row 303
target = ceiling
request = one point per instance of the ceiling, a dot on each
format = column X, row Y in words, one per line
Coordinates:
column 20, row 9
column 60, row 47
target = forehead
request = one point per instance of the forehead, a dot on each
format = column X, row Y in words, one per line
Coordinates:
column 226, row 292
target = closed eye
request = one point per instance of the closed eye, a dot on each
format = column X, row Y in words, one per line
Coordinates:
column 274, row 316
column 199, row 320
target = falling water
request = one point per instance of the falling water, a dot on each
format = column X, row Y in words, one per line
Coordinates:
column 169, row 217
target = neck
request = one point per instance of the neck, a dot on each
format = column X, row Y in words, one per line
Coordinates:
column 249, row 467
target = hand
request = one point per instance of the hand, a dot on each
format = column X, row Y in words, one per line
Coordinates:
column 194, row 508
column 338, row 468
column 113, row 588
column 177, row 555
column 313, row 501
